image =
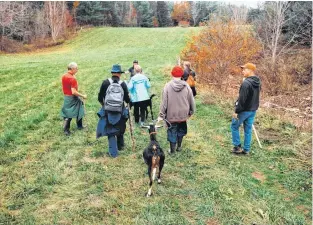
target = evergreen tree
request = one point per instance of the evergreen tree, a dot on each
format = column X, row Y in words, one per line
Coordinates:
column 144, row 14
column 163, row 14
column 298, row 26
column 90, row 13
column 111, row 13
column 201, row 11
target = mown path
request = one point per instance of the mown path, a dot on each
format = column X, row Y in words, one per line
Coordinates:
column 46, row 178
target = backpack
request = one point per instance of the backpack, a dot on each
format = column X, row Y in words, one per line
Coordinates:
column 191, row 80
column 114, row 98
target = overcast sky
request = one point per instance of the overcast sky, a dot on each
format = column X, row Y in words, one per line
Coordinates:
column 252, row 4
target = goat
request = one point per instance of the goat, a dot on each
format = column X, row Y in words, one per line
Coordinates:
column 153, row 156
column 150, row 105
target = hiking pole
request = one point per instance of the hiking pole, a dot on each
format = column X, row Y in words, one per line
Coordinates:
column 256, row 135
column 84, row 104
column 131, row 130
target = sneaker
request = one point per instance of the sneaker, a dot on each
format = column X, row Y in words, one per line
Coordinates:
column 179, row 149
column 237, row 150
column 67, row 133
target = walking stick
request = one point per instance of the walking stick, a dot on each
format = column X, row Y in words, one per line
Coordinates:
column 131, row 130
column 256, row 135
column 84, row 104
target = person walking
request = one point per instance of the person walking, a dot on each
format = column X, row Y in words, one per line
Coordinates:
column 176, row 107
column 131, row 70
column 190, row 77
column 245, row 109
column 138, row 87
column 73, row 105
column 113, row 114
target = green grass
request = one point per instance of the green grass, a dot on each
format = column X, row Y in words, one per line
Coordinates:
column 47, row 178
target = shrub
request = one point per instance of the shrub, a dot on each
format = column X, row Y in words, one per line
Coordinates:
column 9, row 45
column 219, row 49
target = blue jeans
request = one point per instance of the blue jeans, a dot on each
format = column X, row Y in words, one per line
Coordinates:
column 114, row 143
column 247, row 118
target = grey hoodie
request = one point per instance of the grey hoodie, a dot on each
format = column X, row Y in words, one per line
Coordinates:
column 177, row 101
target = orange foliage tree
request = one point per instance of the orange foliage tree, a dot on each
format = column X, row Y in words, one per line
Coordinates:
column 181, row 12
column 219, row 49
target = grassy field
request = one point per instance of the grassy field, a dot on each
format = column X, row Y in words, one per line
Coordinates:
column 47, row 178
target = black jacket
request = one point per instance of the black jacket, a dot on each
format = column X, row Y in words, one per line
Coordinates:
column 106, row 84
column 249, row 95
column 132, row 71
column 186, row 74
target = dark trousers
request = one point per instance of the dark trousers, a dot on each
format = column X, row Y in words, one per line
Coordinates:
column 140, row 110
column 176, row 131
column 116, row 142
column 67, row 126
column 194, row 92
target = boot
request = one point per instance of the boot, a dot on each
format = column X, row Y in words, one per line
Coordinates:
column 80, row 124
column 172, row 148
column 179, row 142
column 66, row 126
column 120, row 142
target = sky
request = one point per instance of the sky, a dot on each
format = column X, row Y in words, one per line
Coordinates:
column 252, row 4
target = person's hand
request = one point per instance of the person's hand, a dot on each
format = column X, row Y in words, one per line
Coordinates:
column 159, row 119
column 235, row 116
column 84, row 96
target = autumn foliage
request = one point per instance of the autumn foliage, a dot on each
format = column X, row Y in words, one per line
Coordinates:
column 219, row 50
column 181, row 12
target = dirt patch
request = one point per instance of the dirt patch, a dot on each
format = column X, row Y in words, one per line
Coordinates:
column 95, row 201
column 212, row 221
column 303, row 209
column 259, row 176
column 270, row 136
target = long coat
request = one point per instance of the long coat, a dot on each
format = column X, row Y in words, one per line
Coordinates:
column 111, row 123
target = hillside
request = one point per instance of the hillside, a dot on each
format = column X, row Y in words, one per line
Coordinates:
column 47, row 178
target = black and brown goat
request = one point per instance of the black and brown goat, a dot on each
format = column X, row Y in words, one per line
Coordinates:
column 153, row 156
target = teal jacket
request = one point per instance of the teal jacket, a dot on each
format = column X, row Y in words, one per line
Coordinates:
column 138, row 87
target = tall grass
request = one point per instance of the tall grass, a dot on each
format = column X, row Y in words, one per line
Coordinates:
column 47, row 178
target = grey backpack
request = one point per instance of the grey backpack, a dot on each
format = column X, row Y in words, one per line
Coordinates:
column 114, row 98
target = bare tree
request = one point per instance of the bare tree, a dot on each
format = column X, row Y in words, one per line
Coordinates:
column 55, row 14
column 275, row 18
column 239, row 14
column 278, row 19
column 41, row 27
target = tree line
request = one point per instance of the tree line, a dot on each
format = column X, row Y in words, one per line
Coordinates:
column 42, row 22
column 277, row 36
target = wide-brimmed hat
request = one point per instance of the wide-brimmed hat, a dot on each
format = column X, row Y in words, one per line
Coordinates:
column 116, row 69
column 177, row 71
column 249, row 66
